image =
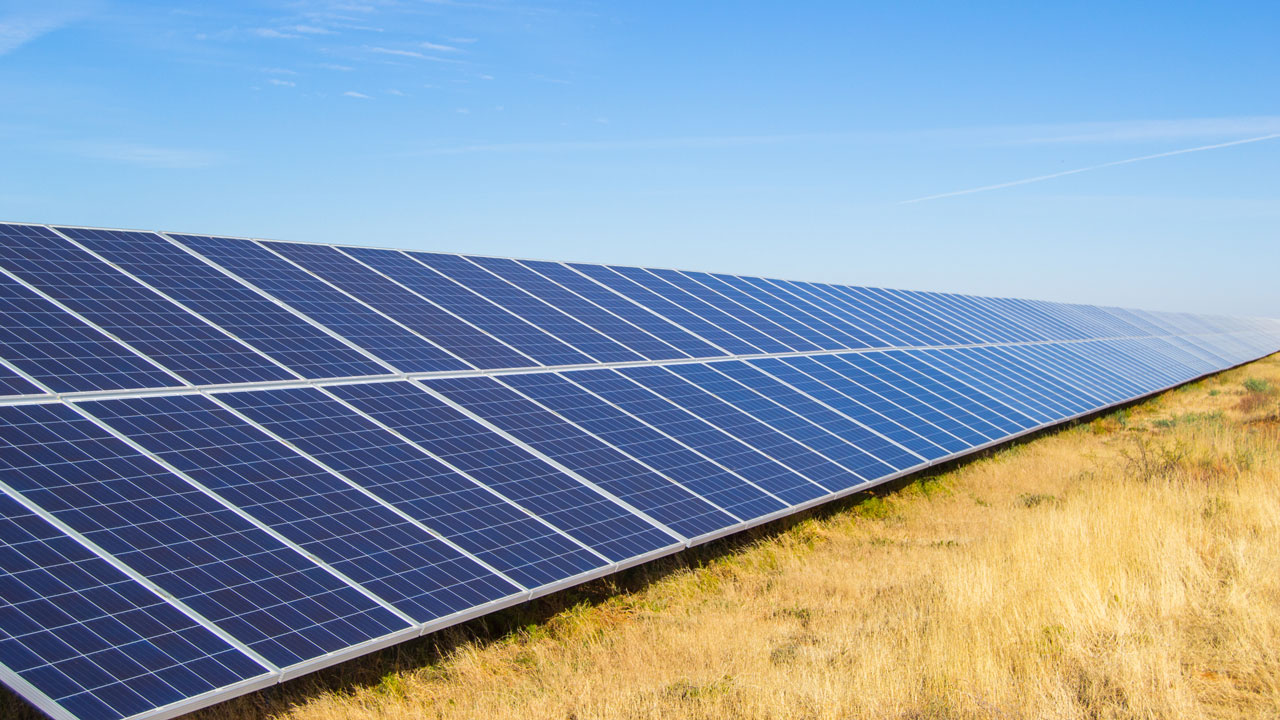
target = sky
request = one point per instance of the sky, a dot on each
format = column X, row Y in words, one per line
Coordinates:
column 1101, row 152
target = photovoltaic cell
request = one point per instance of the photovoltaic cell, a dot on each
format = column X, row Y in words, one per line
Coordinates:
column 475, row 309
column 527, row 306
column 289, row 339
column 850, row 444
column 477, row 519
column 429, row 321
column 889, row 440
column 562, row 501
column 656, row 448
column 325, row 304
column 396, row 560
column 641, row 295
column 639, row 342
column 163, row 331
column 90, row 638
column 250, row 585
column 678, row 338
column 739, row 319
column 598, row 462
column 62, row 352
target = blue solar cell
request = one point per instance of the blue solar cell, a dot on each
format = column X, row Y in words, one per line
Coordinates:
column 919, row 330
column 796, row 466
column 619, row 330
column 890, row 440
column 708, row 313
column 168, row 334
column 685, row 342
column 59, row 350
column 978, row 411
column 598, row 462
column 256, row 589
column 876, row 330
column 1098, row 389
column 546, row 317
column 1016, row 373
column 725, row 341
column 284, row 336
column 894, row 398
column 1001, row 388
column 790, row 315
column 359, row 537
column 473, row 308
column 460, row 509
column 90, row 638
column 731, row 314
column 832, row 475
column 324, row 303
column 850, row 444
column 910, row 304
column 809, row 308
column 984, row 362
column 429, row 321
column 655, row 446
column 580, row 512
column 11, row 383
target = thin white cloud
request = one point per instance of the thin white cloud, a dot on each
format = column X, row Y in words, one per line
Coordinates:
column 354, row 94
column 149, row 156
column 18, row 29
column 1133, row 131
column 1041, row 178
column 272, row 33
column 401, row 53
column 412, row 54
column 279, row 71
column 438, row 48
column 339, row 68
column 675, row 143
column 282, row 83
column 312, row 30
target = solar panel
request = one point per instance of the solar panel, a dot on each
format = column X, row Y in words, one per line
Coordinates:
column 227, row 462
column 362, row 325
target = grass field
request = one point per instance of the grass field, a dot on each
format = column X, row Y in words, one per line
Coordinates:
column 1124, row 567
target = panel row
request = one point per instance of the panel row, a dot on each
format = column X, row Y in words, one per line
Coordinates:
column 162, row 551
column 106, row 310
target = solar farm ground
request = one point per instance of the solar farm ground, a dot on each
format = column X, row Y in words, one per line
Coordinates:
column 1127, row 566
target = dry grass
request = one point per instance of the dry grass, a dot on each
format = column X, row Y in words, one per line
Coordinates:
column 1128, row 567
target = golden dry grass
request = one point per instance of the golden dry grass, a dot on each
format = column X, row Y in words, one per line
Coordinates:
column 1128, row 567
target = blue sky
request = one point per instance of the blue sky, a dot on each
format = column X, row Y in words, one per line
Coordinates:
column 773, row 138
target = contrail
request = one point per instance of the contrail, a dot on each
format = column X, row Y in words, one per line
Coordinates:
column 1113, row 163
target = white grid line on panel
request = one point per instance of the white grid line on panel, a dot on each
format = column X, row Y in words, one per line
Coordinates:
column 500, row 306
column 444, row 461
column 439, row 307
column 263, row 244
column 282, row 305
column 134, row 575
column 94, row 326
column 557, row 283
column 551, row 461
column 275, row 534
column 179, row 305
column 370, row 494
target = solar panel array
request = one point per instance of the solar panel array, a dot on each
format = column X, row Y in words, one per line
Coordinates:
column 226, row 462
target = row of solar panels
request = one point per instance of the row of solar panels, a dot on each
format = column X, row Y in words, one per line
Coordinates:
column 89, row 310
column 208, row 506
column 162, row 552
